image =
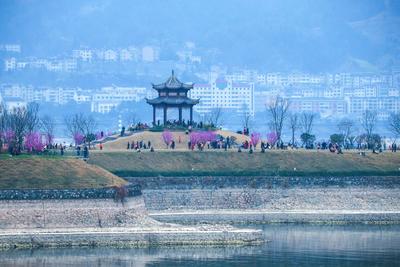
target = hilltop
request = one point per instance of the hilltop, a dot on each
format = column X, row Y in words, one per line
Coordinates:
column 157, row 142
column 231, row 163
column 35, row 172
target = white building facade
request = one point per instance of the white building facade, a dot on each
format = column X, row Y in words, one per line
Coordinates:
column 225, row 94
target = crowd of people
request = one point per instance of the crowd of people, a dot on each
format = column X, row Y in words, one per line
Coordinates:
column 139, row 145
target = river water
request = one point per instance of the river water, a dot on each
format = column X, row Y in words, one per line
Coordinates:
column 289, row 245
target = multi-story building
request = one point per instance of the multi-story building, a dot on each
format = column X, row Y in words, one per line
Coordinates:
column 110, row 97
column 225, row 94
column 10, row 64
column 384, row 106
column 82, row 54
column 150, row 54
column 323, row 106
column 110, row 55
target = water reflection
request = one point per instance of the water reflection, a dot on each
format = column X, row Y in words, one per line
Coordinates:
column 300, row 245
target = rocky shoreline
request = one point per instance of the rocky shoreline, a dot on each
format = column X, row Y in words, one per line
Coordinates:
column 328, row 200
column 104, row 222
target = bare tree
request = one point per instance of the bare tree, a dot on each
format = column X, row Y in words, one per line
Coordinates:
column 32, row 115
column 73, row 123
column 21, row 121
column 307, row 122
column 47, row 124
column 346, row 128
column 131, row 118
column 293, row 125
column 278, row 110
column 3, row 124
column 215, row 116
column 394, row 124
column 246, row 119
column 368, row 122
column 82, row 124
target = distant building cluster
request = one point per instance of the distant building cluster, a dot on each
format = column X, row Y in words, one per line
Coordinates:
column 238, row 90
column 101, row 101
column 329, row 95
column 14, row 61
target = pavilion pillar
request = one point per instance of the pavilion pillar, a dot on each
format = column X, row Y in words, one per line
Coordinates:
column 154, row 115
column 191, row 115
column 165, row 115
column 180, row 115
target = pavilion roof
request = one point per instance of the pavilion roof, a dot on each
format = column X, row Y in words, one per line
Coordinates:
column 172, row 83
column 181, row 100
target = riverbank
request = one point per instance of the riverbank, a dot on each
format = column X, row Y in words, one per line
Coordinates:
column 329, row 200
column 103, row 222
column 271, row 163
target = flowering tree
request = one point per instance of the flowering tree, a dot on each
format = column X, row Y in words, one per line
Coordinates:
column 98, row 136
column 9, row 135
column 272, row 137
column 255, row 138
column 167, row 137
column 202, row 137
column 78, row 138
column 33, row 142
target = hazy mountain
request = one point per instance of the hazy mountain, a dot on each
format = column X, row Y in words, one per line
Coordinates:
column 277, row 35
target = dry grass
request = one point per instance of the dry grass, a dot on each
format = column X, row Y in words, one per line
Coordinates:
column 53, row 173
column 157, row 142
column 283, row 163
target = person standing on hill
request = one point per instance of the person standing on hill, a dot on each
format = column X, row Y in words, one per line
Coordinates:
column 85, row 152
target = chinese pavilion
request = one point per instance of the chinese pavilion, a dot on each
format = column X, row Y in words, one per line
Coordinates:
column 172, row 94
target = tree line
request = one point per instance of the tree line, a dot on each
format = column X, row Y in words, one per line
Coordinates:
column 280, row 115
column 22, row 129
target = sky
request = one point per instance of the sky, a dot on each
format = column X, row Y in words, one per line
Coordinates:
column 305, row 35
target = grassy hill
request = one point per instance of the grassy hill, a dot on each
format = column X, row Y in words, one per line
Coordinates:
column 33, row 172
column 285, row 163
column 157, row 141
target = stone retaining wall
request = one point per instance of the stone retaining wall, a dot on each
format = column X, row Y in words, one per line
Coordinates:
column 259, row 182
column 132, row 239
column 20, row 214
column 271, row 199
column 90, row 193
column 352, row 198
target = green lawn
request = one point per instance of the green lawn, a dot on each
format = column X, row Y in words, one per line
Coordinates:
column 284, row 163
column 52, row 172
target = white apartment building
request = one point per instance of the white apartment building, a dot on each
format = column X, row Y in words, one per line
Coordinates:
column 125, row 55
column 109, row 98
column 224, row 94
column 383, row 105
column 15, row 48
column 82, row 54
column 110, row 55
column 324, row 106
column 10, row 64
column 150, row 54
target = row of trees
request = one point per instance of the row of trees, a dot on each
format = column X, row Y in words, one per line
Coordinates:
column 22, row 128
column 279, row 115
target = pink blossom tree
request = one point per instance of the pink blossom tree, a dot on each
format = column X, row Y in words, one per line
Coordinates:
column 255, row 139
column 202, row 137
column 33, row 142
column 272, row 137
column 167, row 137
column 79, row 138
column 9, row 136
